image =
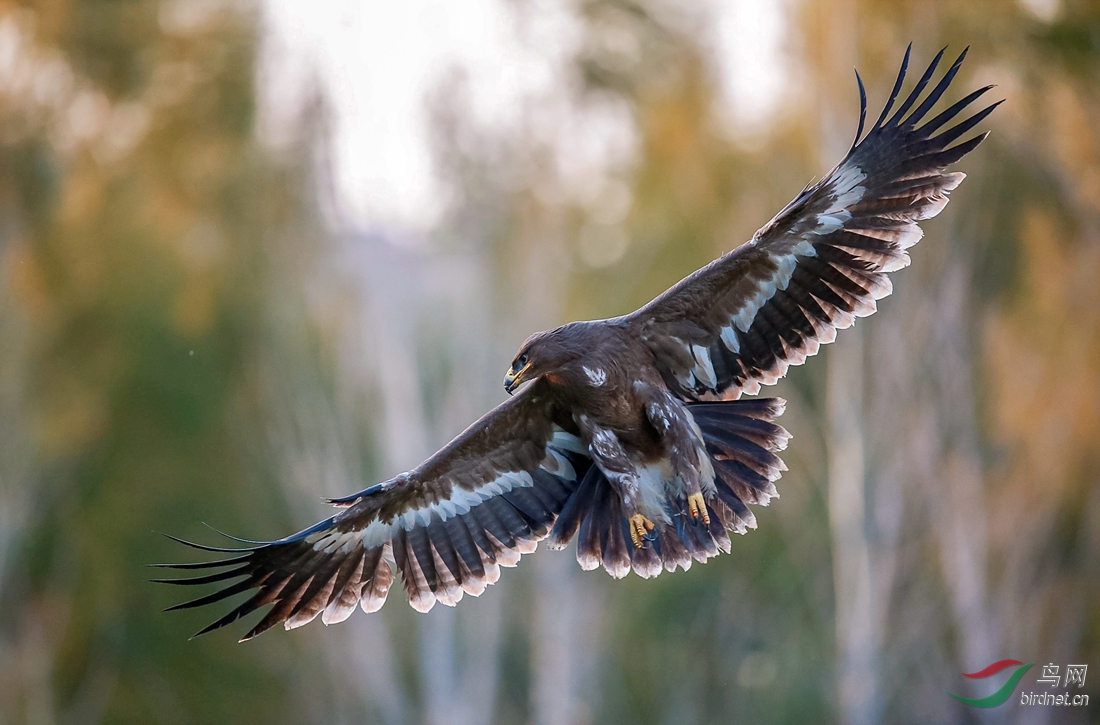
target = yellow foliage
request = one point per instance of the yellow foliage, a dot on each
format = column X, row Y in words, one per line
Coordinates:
column 1043, row 353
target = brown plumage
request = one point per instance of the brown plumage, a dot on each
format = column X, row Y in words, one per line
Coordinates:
column 627, row 434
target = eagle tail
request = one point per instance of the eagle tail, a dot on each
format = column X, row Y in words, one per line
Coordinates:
column 741, row 438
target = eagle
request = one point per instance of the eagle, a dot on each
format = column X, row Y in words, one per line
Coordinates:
column 628, row 434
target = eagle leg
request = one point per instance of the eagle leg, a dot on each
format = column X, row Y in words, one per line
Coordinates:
column 640, row 531
column 697, row 507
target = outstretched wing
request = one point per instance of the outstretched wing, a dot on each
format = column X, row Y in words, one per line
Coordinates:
column 821, row 262
column 447, row 527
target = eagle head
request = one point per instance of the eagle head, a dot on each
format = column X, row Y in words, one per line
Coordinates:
column 546, row 353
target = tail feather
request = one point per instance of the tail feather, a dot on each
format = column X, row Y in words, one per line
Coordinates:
column 742, row 441
column 602, row 513
column 696, row 538
column 616, row 556
column 672, row 549
column 717, row 530
column 745, row 482
column 575, row 510
column 647, row 561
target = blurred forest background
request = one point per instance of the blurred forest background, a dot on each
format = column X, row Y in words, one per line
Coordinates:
column 190, row 331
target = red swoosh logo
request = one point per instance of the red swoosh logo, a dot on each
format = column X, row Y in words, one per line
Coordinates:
column 992, row 669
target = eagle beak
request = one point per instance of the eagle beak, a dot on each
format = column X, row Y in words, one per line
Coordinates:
column 512, row 379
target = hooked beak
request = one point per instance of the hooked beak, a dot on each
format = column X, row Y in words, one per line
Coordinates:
column 513, row 378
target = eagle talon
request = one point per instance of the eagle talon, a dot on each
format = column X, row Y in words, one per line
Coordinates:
column 640, row 528
column 697, row 507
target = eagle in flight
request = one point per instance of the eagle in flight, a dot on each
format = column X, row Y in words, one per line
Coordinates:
column 628, row 433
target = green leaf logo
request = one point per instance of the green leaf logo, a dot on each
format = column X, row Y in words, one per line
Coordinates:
column 1005, row 690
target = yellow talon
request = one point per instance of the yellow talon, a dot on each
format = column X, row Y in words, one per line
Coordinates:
column 640, row 526
column 697, row 507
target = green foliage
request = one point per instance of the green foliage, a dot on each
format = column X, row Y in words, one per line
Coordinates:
column 140, row 274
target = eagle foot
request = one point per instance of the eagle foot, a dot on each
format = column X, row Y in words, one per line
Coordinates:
column 640, row 528
column 697, row 507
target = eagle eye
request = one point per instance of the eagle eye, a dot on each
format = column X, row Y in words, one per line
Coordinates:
column 521, row 361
